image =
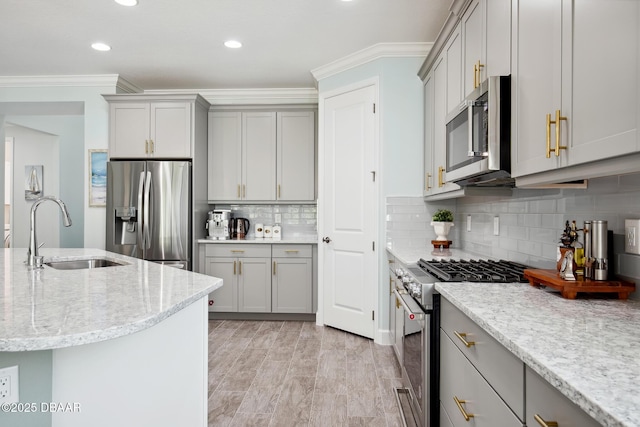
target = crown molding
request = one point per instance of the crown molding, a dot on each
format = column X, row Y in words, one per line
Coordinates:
column 69, row 81
column 377, row 51
column 252, row 96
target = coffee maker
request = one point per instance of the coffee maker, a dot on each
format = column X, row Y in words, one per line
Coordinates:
column 218, row 224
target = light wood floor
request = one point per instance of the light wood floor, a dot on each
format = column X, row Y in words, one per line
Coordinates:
column 298, row 374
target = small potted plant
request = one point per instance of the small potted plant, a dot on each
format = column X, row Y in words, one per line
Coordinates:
column 442, row 222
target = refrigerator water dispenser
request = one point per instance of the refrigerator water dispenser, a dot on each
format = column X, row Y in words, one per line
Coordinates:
column 126, row 225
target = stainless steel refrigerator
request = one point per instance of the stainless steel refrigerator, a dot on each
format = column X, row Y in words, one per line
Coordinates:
column 149, row 210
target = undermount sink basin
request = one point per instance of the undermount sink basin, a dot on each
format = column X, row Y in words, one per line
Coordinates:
column 79, row 264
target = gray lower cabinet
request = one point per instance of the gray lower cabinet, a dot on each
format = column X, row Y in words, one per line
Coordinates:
column 291, row 284
column 260, row 278
column 465, row 395
column 246, row 274
column 546, row 405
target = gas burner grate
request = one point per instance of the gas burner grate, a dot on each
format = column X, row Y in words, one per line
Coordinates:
column 475, row 270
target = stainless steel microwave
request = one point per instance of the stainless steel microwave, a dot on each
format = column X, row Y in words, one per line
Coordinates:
column 478, row 145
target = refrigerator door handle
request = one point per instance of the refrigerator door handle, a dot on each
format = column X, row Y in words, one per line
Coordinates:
column 140, row 210
column 147, row 208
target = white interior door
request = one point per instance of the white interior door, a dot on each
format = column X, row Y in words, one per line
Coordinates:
column 348, row 213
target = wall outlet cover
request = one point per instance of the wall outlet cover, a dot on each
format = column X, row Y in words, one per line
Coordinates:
column 631, row 230
column 9, row 385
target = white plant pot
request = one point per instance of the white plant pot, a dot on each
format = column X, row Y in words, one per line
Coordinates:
column 441, row 229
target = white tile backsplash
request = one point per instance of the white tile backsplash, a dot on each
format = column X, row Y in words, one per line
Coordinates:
column 297, row 220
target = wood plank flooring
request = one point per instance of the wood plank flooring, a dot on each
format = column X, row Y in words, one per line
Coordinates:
column 285, row 374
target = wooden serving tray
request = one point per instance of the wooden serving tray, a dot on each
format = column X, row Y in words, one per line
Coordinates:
column 570, row 288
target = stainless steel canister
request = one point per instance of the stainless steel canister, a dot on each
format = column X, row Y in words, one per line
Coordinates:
column 599, row 249
column 588, row 251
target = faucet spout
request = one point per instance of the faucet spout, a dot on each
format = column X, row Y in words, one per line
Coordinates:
column 32, row 253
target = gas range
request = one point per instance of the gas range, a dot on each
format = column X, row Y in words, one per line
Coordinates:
column 419, row 279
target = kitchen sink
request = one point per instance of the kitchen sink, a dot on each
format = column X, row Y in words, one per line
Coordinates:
column 80, row 264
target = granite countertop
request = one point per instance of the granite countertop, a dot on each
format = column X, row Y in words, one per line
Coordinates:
column 289, row 240
column 48, row 308
column 589, row 349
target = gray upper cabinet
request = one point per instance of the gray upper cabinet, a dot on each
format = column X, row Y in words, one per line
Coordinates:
column 152, row 126
column 296, row 155
column 571, row 107
column 486, row 34
column 261, row 156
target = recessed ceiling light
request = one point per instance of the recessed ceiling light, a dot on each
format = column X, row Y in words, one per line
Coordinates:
column 102, row 47
column 233, row 44
column 127, row 2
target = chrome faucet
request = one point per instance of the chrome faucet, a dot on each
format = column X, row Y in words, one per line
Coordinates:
column 33, row 259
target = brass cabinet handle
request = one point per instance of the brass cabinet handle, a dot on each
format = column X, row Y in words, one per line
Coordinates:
column 462, row 337
column 390, row 285
column 291, row 251
column 397, row 303
column 477, row 80
column 427, row 179
column 274, row 268
column 237, row 251
column 544, row 423
column 555, row 122
column 153, row 150
column 440, row 177
column 278, row 191
column 239, row 268
column 146, row 146
column 558, row 146
column 549, row 123
column 244, row 191
column 475, row 76
column 459, row 402
column 234, row 268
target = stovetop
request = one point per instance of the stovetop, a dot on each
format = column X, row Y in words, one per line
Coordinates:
column 474, row 270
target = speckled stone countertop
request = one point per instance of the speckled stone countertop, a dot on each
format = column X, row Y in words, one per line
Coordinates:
column 589, row 349
column 293, row 240
column 48, row 308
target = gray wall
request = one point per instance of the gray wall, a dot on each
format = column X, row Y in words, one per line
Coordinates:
column 35, row 373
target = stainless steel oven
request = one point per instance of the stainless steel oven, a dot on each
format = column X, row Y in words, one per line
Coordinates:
column 419, row 398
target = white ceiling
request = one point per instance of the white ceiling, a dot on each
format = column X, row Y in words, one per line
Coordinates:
column 178, row 44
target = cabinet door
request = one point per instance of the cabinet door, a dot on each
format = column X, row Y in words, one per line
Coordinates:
column 296, row 155
column 291, row 285
column 536, row 81
column 460, row 380
column 225, row 156
column 497, row 49
column 171, row 129
column 429, row 112
column 259, row 156
column 549, row 404
column 225, row 298
column 453, row 64
column 604, row 92
column 254, row 285
column 440, row 184
column 474, row 41
column 128, row 129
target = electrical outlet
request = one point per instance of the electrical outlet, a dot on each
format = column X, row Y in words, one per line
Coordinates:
column 9, row 385
column 496, row 225
column 278, row 218
column 468, row 222
column 631, row 230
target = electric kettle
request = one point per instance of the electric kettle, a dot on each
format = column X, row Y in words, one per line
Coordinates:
column 239, row 228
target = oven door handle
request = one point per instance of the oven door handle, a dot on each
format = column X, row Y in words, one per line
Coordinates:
column 410, row 306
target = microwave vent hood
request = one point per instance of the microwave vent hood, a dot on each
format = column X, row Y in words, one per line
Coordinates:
column 497, row 178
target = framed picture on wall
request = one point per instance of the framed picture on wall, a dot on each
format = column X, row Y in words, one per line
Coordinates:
column 98, row 178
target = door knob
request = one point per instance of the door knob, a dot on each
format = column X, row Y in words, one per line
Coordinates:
column 326, row 240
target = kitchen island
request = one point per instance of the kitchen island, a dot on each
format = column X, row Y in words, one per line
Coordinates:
column 119, row 345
